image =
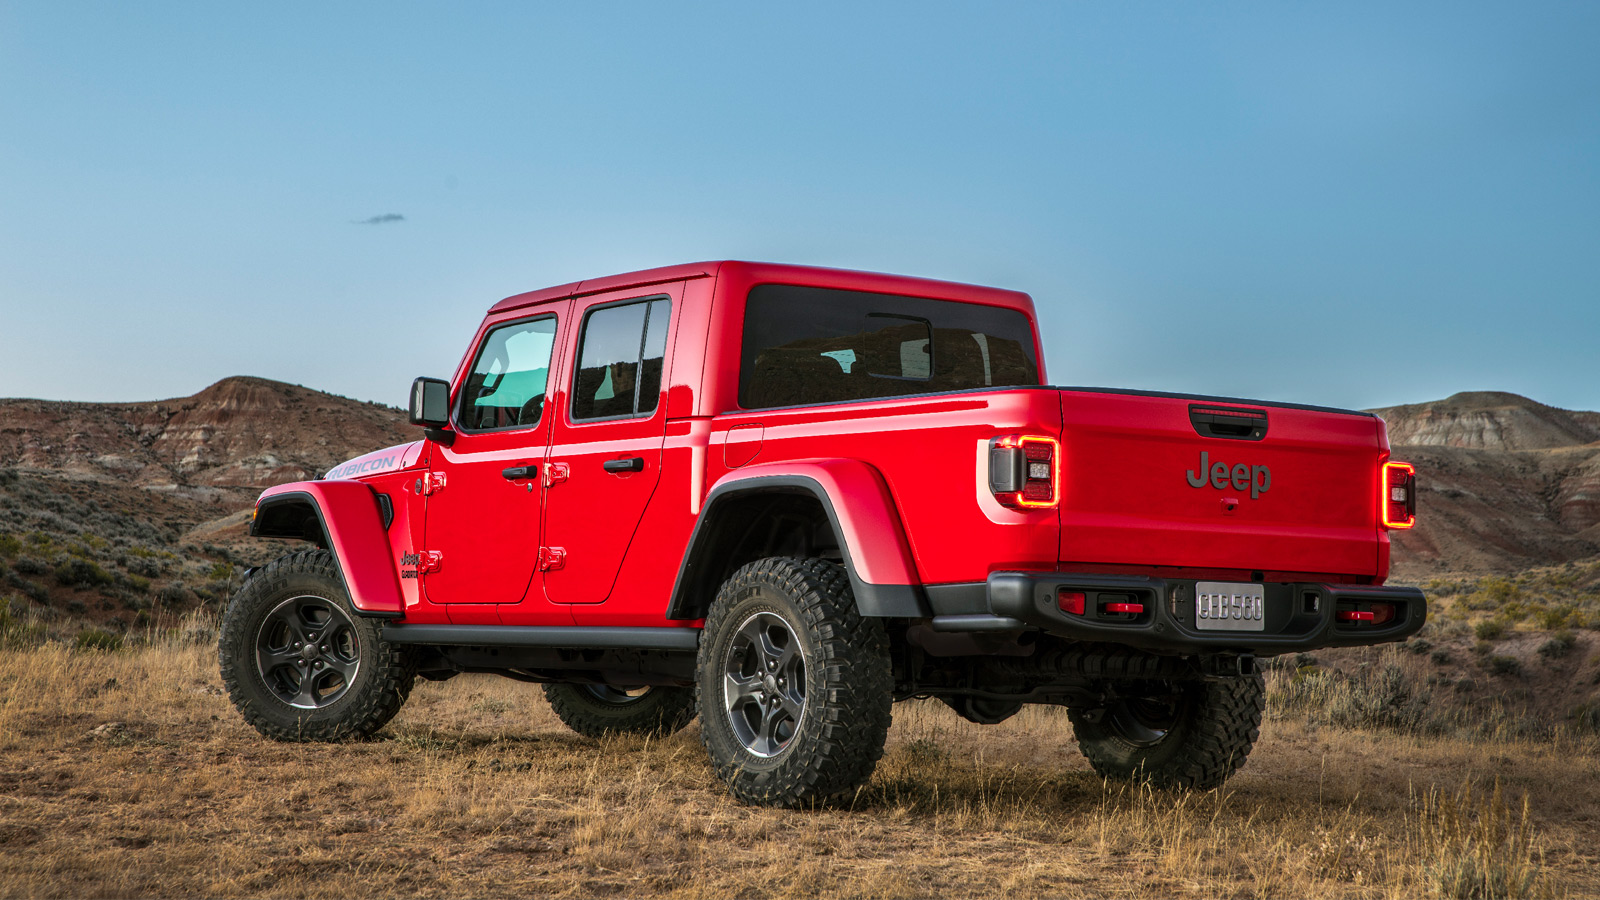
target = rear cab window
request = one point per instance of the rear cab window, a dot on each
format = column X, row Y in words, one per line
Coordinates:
column 809, row 345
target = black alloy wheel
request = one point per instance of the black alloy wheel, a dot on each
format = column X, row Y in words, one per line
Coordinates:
column 764, row 684
column 307, row 652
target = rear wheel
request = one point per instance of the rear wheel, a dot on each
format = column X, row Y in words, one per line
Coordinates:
column 297, row 661
column 1193, row 735
column 795, row 686
column 598, row 710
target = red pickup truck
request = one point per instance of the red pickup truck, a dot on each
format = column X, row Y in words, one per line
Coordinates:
column 781, row 498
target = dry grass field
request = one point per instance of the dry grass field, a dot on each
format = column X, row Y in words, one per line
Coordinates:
column 127, row 773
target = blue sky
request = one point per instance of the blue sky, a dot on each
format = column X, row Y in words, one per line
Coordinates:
column 1342, row 204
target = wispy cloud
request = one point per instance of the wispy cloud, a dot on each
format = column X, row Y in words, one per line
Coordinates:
column 384, row 219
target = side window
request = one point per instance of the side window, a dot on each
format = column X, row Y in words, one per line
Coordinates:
column 620, row 358
column 506, row 385
column 806, row 345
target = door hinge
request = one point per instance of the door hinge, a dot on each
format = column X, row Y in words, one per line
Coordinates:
column 432, row 482
column 430, row 560
column 555, row 473
column 552, row 558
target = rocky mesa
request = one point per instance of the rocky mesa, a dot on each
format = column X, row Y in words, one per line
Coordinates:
column 241, row 432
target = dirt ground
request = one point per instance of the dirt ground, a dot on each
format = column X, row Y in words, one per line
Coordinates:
column 128, row 774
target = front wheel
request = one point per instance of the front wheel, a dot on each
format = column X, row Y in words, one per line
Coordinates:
column 297, row 661
column 795, row 686
column 600, row 710
column 1192, row 735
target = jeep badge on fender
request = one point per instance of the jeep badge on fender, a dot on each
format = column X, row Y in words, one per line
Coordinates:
column 1257, row 478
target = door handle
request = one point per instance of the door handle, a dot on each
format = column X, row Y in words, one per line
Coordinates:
column 633, row 464
column 517, row 473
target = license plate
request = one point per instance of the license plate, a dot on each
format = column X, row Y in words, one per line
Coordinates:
column 1220, row 606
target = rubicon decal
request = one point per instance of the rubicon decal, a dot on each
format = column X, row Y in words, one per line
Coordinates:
column 1256, row 479
column 363, row 466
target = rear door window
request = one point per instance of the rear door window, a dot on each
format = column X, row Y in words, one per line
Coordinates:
column 805, row 345
column 620, row 358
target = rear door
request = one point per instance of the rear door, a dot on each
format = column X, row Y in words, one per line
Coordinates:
column 1174, row 481
column 605, row 454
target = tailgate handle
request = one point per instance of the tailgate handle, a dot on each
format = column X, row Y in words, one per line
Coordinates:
column 1230, row 422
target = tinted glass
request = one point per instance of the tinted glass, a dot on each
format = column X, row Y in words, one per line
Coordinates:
column 817, row 345
column 620, row 360
column 506, row 386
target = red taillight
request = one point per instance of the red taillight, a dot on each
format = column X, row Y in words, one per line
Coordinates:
column 1025, row 471
column 1354, row 615
column 1134, row 608
column 1070, row 602
column 1397, row 504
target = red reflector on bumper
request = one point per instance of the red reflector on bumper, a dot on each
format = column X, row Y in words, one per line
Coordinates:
column 1354, row 615
column 1070, row 602
column 1125, row 607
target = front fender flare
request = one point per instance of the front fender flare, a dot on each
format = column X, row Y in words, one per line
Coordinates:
column 877, row 556
column 352, row 525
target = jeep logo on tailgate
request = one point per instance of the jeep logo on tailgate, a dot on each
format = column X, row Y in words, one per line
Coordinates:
column 1239, row 477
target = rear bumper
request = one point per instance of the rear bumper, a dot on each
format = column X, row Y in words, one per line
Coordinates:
column 1297, row 616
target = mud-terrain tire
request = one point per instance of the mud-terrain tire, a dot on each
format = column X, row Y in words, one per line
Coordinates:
column 357, row 681
column 1195, row 740
column 811, row 686
column 596, row 711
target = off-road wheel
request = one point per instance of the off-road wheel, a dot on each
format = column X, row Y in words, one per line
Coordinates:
column 1193, row 736
column 599, row 710
column 297, row 661
column 795, row 688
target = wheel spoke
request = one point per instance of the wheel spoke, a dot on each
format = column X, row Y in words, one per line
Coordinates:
column 268, row 658
column 767, row 738
column 737, row 689
column 345, row 667
column 307, row 695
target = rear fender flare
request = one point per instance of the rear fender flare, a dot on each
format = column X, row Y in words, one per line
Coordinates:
column 861, row 511
column 352, row 528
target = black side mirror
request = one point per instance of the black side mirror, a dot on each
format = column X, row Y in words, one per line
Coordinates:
column 430, row 402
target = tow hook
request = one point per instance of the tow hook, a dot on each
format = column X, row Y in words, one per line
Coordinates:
column 1228, row 665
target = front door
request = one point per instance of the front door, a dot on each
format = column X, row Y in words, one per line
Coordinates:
column 605, row 453
column 483, row 490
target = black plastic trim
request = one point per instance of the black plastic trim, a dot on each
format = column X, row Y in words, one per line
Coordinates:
column 890, row 601
column 978, row 623
column 559, row 636
column 971, row 598
column 1031, row 598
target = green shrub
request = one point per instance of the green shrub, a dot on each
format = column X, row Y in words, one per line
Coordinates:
column 76, row 572
column 97, row 639
column 1559, row 645
column 9, row 545
column 1503, row 665
column 1489, row 629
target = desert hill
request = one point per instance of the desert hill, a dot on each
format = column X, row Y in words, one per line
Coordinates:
column 1489, row 420
column 1506, row 483
column 113, row 512
column 240, row 432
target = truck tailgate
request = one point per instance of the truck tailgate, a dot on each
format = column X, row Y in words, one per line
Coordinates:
column 1142, row 487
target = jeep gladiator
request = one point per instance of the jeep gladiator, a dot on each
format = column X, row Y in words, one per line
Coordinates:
column 780, row 498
